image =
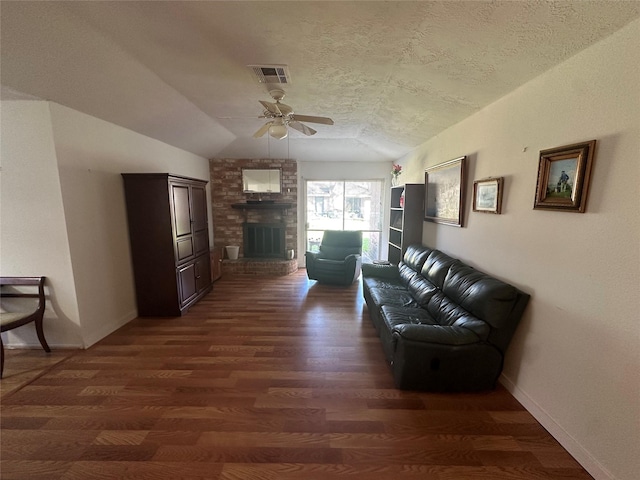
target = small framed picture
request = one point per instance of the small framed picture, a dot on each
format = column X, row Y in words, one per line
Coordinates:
column 487, row 195
column 563, row 177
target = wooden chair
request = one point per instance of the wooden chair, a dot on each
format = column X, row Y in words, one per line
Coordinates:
column 17, row 318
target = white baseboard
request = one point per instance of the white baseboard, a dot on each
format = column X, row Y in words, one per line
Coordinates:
column 94, row 337
column 109, row 329
column 582, row 456
column 37, row 346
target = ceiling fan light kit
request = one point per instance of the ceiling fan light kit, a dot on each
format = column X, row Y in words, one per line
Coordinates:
column 278, row 129
column 281, row 116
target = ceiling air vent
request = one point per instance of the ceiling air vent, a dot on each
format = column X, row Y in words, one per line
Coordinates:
column 271, row 73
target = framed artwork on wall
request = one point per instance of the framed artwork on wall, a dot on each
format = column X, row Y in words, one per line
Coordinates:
column 487, row 195
column 444, row 186
column 563, row 177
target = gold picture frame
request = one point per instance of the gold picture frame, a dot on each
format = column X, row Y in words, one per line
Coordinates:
column 563, row 177
column 444, row 186
column 487, row 195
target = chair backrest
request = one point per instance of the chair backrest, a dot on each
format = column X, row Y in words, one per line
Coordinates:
column 26, row 313
column 337, row 244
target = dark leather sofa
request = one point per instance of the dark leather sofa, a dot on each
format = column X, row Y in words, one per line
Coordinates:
column 444, row 325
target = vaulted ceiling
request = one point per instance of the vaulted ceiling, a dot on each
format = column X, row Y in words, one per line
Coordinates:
column 390, row 74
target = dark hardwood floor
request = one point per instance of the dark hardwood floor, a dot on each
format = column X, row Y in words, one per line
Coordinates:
column 266, row 378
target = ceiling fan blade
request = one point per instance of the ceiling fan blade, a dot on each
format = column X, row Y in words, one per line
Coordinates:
column 301, row 128
column 312, row 119
column 264, row 129
column 271, row 107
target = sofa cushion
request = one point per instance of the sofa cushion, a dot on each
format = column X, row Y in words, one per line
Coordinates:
column 447, row 313
column 436, row 267
column 394, row 316
column 374, row 282
column 411, row 264
column 415, row 256
column 390, row 296
column 483, row 296
column 406, row 274
column 422, row 290
column 443, row 335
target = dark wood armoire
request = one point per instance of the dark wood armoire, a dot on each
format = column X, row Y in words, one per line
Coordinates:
column 169, row 236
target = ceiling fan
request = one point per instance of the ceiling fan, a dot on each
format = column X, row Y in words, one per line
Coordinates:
column 281, row 116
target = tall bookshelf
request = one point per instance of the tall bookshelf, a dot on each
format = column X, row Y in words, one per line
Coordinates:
column 405, row 222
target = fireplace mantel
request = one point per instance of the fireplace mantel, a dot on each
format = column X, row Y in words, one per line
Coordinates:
column 262, row 206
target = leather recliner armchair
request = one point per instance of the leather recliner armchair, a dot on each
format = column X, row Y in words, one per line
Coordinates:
column 339, row 260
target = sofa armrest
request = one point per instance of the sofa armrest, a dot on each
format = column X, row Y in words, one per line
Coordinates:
column 444, row 335
column 352, row 257
column 380, row 270
column 311, row 255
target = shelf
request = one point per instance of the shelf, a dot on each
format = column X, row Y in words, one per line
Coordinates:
column 395, row 237
column 262, row 206
column 405, row 223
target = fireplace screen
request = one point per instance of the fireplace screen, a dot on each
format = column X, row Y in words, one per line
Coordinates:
column 264, row 240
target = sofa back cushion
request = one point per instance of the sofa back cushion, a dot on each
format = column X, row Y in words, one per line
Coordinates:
column 436, row 267
column 422, row 290
column 415, row 256
column 338, row 244
column 485, row 297
column 411, row 264
column 448, row 313
column 456, row 294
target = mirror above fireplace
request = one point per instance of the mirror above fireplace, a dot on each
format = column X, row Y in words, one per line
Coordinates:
column 261, row 180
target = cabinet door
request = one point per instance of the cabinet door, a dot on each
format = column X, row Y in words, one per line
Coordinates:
column 199, row 208
column 216, row 264
column 181, row 209
column 199, row 219
column 194, row 278
column 182, row 225
column 187, row 284
column 203, row 272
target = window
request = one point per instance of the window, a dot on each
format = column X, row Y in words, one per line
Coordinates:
column 345, row 205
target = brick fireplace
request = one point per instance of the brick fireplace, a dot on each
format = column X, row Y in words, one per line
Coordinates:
column 230, row 224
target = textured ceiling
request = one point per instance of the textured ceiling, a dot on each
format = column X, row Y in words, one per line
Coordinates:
column 390, row 74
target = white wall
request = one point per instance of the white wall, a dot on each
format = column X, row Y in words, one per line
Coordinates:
column 574, row 362
column 91, row 154
column 33, row 237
